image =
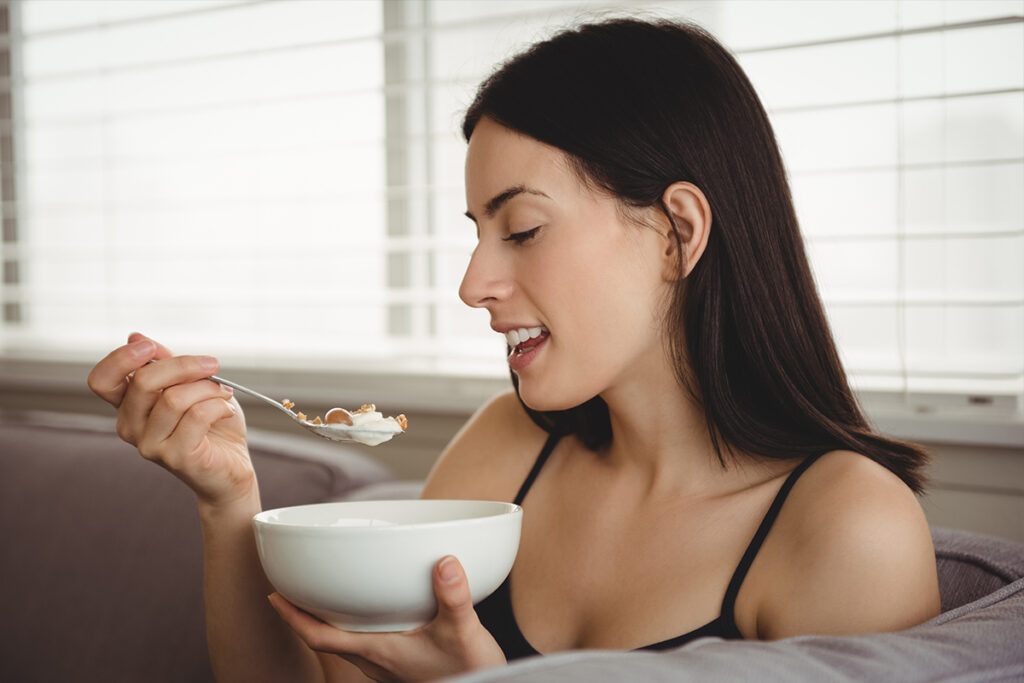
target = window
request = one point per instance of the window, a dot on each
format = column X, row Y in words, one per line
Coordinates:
column 281, row 182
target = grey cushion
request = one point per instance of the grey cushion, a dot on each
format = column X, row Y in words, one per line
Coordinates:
column 979, row 638
column 386, row 490
column 972, row 565
column 102, row 560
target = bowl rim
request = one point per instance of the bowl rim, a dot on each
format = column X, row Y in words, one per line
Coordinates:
column 260, row 520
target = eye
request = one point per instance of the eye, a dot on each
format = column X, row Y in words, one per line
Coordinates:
column 520, row 237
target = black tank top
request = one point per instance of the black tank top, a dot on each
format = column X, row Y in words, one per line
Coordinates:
column 496, row 613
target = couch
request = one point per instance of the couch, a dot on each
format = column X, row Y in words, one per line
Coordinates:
column 102, row 560
column 101, row 577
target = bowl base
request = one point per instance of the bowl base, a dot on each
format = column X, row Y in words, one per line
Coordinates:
column 405, row 621
column 375, row 628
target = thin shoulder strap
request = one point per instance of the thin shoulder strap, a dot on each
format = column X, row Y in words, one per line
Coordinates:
column 762, row 531
column 549, row 446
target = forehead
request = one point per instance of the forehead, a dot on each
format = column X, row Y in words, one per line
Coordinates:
column 498, row 158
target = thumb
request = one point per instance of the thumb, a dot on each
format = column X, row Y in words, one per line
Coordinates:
column 452, row 590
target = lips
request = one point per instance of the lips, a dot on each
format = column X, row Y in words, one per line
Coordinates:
column 525, row 352
column 526, row 342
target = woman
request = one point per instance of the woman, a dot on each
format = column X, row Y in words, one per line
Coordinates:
column 703, row 467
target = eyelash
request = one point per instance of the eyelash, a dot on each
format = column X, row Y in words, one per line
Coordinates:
column 520, row 237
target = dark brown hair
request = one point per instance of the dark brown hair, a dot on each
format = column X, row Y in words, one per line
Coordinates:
column 640, row 105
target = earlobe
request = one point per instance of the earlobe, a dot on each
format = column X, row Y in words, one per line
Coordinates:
column 689, row 214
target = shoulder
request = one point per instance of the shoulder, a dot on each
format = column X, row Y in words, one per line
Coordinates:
column 490, row 456
column 853, row 554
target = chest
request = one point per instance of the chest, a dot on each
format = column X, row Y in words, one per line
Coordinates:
column 596, row 569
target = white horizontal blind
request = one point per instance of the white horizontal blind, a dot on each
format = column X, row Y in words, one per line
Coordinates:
column 903, row 129
column 282, row 181
column 211, row 173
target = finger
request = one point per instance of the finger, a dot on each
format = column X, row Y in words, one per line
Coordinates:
column 150, row 381
column 318, row 635
column 161, row 350
column 182, row 411
column 198, row 421
column 109, row 378
column 373, row 653
column 168, row 372
column 451, row 587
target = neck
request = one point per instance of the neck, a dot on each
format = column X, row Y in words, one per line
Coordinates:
column 660, row 432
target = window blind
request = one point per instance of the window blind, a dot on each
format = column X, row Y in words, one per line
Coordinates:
column 282, row 181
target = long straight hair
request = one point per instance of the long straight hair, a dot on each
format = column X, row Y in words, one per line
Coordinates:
column 637, row 106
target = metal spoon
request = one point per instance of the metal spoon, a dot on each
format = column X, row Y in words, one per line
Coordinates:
column 333, row 432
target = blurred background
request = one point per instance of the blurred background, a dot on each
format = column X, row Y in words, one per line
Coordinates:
column 279, row 183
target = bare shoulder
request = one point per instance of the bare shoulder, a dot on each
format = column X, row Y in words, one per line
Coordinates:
column 490, row 456
column 858, row 554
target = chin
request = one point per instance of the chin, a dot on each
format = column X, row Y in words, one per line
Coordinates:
column 544, row 400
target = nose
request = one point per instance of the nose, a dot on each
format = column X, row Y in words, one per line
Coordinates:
column 487, row 279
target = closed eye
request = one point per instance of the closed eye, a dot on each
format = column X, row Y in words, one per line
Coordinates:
column 520, row 237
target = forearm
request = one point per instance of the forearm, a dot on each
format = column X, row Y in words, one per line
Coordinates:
column 247, row 640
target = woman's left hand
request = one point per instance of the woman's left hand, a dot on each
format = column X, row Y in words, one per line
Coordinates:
column 454, row 642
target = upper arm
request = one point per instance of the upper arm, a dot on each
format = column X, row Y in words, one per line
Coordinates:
column 859, row 555
column 490, row 455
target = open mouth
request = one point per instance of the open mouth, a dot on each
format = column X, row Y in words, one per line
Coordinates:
column 525, row 339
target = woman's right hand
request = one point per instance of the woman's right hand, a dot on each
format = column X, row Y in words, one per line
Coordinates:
column 177, row 418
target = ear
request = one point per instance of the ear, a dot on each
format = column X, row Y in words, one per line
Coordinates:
column 690, row 215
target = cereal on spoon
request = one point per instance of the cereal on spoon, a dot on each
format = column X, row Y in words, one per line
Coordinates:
column 366, row 425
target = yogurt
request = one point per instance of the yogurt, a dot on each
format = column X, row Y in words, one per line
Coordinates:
column 370, row 427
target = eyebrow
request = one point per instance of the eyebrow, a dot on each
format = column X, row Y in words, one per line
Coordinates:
column 500, row 199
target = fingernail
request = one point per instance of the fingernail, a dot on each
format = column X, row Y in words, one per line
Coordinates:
column 143, row 347
column 208, row 363
column 226, row 390
column 447, row 570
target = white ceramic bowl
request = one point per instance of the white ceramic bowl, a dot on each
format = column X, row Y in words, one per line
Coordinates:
column 367, row 565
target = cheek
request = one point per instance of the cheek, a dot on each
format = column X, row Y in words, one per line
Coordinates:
column 602, row 307
column 596, row 282
column 611, row 306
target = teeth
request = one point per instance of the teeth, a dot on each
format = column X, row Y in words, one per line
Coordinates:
column 516, row 337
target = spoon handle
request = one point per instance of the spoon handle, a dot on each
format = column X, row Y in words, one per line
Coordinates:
column 250, row 392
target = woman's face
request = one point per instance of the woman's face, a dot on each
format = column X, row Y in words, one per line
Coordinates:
column 559, row 261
